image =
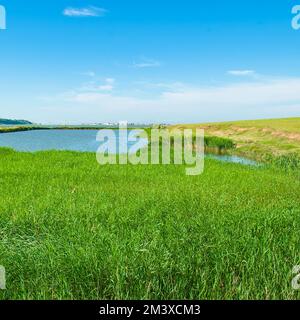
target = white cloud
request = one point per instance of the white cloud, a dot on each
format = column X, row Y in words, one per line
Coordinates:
column 108, row 85
column 241, row 72
column 84, row 12
column 268, row 98
column 147, row 63
column 89, row 74
column 110, row 80
column 267, row 93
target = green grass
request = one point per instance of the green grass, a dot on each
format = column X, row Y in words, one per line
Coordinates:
column 70, row 228
column 286, row 124
column 14, row 129
column 219, row 143
column 257, row 139
column 7, row 129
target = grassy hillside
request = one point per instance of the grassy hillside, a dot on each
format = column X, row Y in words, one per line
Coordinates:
column 258, row 138
column 70, row 228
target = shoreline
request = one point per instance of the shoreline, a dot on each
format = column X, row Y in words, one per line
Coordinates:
column 27, row 128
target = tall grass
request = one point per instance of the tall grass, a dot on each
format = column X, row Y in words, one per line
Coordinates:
column 214, row 144
column 70, row 228
column 218, row 145
column 15, row 129
column 289, row 162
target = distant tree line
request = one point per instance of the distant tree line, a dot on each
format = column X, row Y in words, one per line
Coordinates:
column 14, row 122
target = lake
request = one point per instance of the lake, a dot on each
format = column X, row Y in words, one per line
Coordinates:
column 79, row 140
column 40, row 140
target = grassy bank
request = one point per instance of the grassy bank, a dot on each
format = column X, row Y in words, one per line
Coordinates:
column 275, row 141
column 15, row 129
column 70, row 228
column 7, row 129
column 30, row 128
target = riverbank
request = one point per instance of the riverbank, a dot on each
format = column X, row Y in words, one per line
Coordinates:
column 5, row 129
column 275, row 141
column 272, row 141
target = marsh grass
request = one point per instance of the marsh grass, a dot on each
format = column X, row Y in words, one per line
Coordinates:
column 15, row 129
column 72, row 229
column 218, row 145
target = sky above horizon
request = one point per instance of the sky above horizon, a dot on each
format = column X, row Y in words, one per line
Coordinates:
column 171, row 61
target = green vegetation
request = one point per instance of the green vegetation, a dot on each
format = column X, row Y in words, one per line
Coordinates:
column 288, row 162
column 14, row 122
column 71, row 228
column 218, row 144
column 6, row 129
column 258, row 139
column 211, row 143
column 15, row 129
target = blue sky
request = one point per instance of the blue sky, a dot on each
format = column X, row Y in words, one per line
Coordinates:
column 149, row 61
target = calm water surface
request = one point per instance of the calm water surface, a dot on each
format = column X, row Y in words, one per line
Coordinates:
column 78, row 140
column 233, row 159
column 40, row 140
